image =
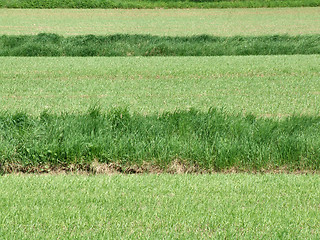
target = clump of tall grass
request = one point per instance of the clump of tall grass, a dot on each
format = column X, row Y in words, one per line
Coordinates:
column 210, row 140
column 46, row 44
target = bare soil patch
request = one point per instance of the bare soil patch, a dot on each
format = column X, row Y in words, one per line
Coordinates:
column 176, row 167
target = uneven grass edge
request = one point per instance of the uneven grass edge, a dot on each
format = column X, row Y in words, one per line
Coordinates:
column 47, row 44
column 175, row 167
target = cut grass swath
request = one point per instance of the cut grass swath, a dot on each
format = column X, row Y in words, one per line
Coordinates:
column 45, row 44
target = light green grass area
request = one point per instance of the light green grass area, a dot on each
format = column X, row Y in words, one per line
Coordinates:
column 268, row 86
column 220, row 206
column 172, row 22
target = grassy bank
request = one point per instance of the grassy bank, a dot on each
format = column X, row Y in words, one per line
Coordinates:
column 210, row 139
column 161, row 22
column 267, row 86
column 145, row 45
column 237, row 206
column 157, row 3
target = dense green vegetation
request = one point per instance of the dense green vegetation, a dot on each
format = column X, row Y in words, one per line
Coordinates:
column 266, row 86
column 162, row 22
column 210, row 139
column 235, row 206
column 203, row 114
column 157, row 3
column 145, row 45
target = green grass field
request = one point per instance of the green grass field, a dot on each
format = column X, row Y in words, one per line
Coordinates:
column 236, row 206
column 267, row 86
column 170, row 22
column 45, row 126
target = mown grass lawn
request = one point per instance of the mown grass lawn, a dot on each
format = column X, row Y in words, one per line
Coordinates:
column 267, row 86
column 160, row 206
column 170, row 22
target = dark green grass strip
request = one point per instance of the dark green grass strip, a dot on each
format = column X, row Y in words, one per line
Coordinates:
column 156, row 3
column 209, row 140
column 145, row 45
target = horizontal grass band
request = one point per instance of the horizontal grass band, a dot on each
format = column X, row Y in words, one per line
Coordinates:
column 156, row 3
column 211, row 139
column 46, row 44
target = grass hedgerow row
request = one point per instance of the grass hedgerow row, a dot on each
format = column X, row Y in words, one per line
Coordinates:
column 209, row 139
column 145, row 45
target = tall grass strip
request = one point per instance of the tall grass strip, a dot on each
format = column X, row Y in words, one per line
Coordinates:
column 145, row 45
column 209, row 140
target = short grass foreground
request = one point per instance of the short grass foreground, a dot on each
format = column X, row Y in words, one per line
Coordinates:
column 206, row 140
column 145, row 45
column 236, row 206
